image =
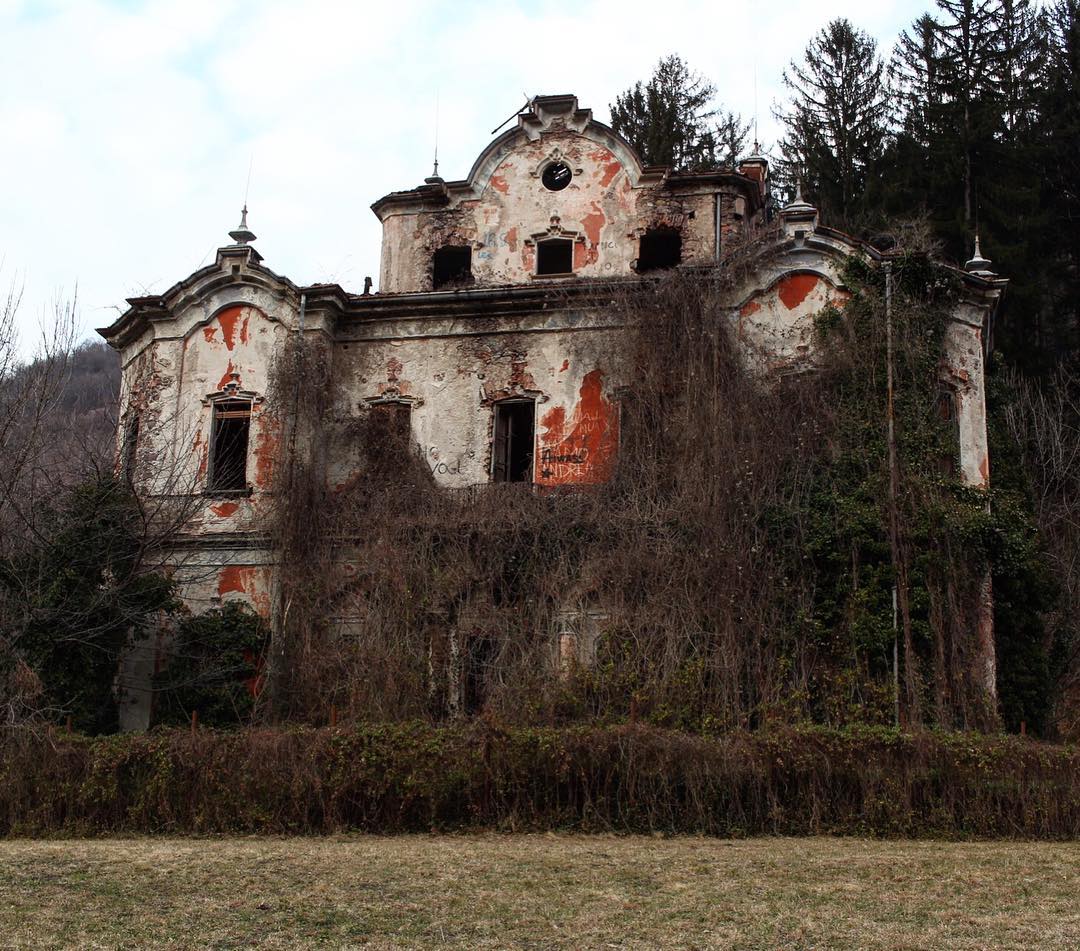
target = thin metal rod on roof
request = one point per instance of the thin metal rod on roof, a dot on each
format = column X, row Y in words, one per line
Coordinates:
column 435, row 170
column 528, row 102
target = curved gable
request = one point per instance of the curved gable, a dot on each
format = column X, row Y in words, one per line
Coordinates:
column 775, row 321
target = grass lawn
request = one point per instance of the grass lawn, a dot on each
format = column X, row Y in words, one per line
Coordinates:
column 538, row 891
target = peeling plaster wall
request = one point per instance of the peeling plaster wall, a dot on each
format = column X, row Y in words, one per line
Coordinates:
column 454, row 382
column 776, row 325
column 602, row 210
column 963, row 373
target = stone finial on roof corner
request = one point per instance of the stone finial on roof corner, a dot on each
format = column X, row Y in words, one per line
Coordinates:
column 799, row 215
column 978, row 264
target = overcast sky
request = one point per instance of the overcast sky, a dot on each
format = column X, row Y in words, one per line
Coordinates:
column 128, row 128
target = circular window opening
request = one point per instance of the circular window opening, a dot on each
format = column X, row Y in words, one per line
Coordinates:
column 556, row 176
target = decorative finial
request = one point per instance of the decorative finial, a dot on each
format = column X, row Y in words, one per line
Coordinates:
column 978, row 264
column 434, row 178
column 243, row 234
column 798, row 191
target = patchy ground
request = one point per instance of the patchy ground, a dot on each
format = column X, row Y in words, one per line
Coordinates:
column 538, row 891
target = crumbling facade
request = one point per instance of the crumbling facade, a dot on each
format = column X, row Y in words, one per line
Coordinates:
column 484, row 337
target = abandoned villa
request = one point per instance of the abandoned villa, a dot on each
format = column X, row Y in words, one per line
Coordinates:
column 484, row 342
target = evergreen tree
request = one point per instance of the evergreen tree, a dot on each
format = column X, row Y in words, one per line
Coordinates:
column 1059, row 120
column 913, row 78
column 835, row 125
column 670, row 120
column 968, row 83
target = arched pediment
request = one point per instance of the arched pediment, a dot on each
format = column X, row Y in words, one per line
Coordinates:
column 548, row 117
column 236, row 278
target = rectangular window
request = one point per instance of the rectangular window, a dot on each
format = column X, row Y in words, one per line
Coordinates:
column 555, row 256
column 393, row 421
column 946, row 412
column 452, row 265
column 514, row 442
column 477, row 673
column 229, row 446
column 659, row 249
column 130, row 447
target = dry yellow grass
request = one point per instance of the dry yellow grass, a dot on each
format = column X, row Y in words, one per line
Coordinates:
column 538, row 891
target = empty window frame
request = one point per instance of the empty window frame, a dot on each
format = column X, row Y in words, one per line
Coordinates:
column 452, row 265
column 229, row 446
column 130, row 447
column 659, row 249
column 388, row 439
column 392, row 422
column 946, row 410
column 478, row 668
column 514, row 441
column 555, row 256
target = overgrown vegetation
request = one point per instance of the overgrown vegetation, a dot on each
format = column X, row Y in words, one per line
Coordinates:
column 215, row 667
column 737, row 571
column 395, row 778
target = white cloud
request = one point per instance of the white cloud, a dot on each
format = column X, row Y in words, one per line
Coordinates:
column 129, row 127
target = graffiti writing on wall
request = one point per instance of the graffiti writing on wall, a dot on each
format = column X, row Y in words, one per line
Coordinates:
column 451, row 465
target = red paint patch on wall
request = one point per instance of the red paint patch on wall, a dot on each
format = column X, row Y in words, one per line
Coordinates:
column 244, row 579
column 610, row 171
column 226, row 377
column 265, row 451
column 511, row 239
column 201, row 450
column 582, row 255
column 795, row 288
column 232, row 326
column 582, row 450
column 500, row 184
column 593, row 222
column 750, row 307
column 565, row 366
column 236, row 579
column 224, row 509
column 209, row 333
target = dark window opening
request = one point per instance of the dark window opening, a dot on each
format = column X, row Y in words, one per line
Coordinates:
column 388, row 439
column 393, row 421
column 946, row 412
column 131, row 446
column 555, row 257
column 557, row 176
column 946, row 406
column 514, row 441
column 229, row 446
column 479, row 660
column 452, row 265
column 659, row 249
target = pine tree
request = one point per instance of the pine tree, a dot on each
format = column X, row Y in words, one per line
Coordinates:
column 835, row 125
column 968, row 82
column 913, row 77
column 1059, row 119
column 670, row 120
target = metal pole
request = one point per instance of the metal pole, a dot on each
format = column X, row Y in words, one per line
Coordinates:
column 893, row 533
